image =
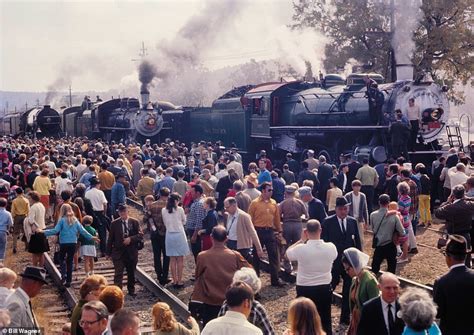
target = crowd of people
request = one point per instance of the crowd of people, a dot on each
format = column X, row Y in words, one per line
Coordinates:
column 311, row 217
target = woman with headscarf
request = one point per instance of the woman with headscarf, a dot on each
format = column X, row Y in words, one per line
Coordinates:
column 364, row 285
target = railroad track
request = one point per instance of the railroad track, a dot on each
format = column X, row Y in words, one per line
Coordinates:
column 147, row 289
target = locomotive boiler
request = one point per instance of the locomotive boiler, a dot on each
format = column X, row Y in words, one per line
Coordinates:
column 331, row 116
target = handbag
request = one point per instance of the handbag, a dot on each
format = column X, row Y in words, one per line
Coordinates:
column 375, row 240
column 442, row 241
column 140, row 244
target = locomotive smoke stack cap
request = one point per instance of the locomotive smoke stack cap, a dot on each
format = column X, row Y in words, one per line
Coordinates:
column 405, row 71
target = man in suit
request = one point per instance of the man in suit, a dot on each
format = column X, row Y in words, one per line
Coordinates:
column 399, row 134
column 315, row 206
column 307, row 174
column 341, row 230
column 324, row 174
column 18, row 303
column 241, row 232
column 342, row 178
column 379, row 315
column 125, row 235
column 458, row 212
column 391, row 182
column 454, row 292
column 384, row 226
column 358, row 207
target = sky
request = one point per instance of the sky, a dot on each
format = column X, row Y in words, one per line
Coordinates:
column 96, row 42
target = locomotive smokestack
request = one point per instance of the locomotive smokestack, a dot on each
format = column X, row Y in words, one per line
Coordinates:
column 145, row 95
column 404, row 71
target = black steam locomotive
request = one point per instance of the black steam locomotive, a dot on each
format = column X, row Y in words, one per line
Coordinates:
column 41, row 121
column 332, row 116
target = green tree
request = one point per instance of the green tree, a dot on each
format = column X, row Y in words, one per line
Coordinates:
column 360, row 29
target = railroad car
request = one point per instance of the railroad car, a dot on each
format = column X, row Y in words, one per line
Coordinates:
column 41, row 121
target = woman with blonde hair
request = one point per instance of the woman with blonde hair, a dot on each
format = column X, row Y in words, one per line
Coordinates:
column 68, row 228
column 164, row 322
column 303, row 318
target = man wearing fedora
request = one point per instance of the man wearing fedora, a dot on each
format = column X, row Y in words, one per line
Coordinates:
column 122, row 246
column 341, row 230
column 18, row 303
column 454, row 292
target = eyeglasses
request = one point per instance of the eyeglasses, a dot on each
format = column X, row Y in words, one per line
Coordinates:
column 83, row 323
column 270, row 190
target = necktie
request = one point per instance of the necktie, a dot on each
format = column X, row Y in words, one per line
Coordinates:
column 231, row 223
column 343, row 229
column 391, row 322
column 125, row 229
column 32, row 314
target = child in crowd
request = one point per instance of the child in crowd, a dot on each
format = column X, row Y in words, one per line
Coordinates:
column 400, row 242
column 7, row 280
column 88, row 250
column 66, row 330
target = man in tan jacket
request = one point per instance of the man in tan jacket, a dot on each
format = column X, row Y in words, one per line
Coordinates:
column 145, row 186
column 214, row 271
column 241, row 232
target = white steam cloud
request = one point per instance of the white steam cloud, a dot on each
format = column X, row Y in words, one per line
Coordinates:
column 407, row 18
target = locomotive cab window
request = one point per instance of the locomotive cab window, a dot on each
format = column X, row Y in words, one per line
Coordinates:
column 260, row 106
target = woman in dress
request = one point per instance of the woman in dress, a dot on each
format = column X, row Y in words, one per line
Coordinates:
column 68, row 228
column 364, row 285
column 303, row 318
column 404, row 203
column 33, row 226
column 175, row 238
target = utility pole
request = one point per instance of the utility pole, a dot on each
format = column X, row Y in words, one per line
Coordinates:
column 142, row 54
column 26, row 106
column 70, row 96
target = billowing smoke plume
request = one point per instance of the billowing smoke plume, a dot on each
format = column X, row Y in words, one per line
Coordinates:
column 146, row 73
column 407, row 18
column 181, row 72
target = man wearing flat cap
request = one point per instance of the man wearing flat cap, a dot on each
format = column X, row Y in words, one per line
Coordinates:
column 341, row 230
column 454, row 292
column 18, row 303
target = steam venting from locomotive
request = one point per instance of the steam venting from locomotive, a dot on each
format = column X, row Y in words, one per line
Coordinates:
column 407, row 16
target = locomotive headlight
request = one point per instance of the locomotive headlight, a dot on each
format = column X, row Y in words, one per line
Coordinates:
column 437, row 113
